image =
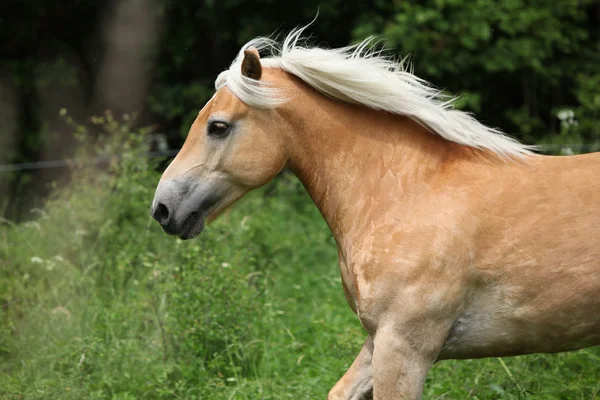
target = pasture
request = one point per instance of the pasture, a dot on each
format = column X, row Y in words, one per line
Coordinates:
column 97, row 303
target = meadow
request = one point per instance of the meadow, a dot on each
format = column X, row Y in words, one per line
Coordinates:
column 96, row 302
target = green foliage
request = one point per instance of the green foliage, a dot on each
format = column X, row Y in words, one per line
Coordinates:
column 96, row 302
column 514, row 61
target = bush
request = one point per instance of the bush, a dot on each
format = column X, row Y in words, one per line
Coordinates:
column 97, row 302
column 92, row 286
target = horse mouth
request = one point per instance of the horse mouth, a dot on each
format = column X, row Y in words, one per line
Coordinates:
column 192, row 226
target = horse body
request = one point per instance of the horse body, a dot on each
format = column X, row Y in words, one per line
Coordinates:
column 536, row 268
column 522, row 239
column 446, row 251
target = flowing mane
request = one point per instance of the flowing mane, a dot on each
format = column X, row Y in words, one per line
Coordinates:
column 362, row 75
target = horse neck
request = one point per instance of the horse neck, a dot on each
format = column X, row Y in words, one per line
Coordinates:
column 355, row 162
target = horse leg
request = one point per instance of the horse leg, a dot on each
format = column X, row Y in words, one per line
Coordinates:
column 401, row 360
column 357, row 382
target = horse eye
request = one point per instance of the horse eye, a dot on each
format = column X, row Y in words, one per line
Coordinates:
column 218, row 129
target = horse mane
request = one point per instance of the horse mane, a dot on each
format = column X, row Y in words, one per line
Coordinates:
column 363, row 75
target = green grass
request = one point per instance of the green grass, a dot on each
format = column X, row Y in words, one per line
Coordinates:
column 96, row 302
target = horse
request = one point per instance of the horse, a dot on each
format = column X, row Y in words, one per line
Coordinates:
column 455, row 241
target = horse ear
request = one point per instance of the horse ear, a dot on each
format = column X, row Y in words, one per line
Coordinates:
column 251, row 67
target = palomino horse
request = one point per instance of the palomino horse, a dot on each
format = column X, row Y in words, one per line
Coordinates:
column 454, row 240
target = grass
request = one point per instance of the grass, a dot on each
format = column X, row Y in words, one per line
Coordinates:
column 98, row 303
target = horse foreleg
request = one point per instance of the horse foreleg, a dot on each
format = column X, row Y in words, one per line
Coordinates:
column 401, row 360
column 357, row 382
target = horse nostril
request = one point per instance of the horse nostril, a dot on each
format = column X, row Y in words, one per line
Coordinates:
column 161, row 213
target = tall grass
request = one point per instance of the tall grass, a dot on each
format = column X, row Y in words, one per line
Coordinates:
column 96, row 302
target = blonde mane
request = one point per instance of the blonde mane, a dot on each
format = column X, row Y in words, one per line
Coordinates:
column 361, row 75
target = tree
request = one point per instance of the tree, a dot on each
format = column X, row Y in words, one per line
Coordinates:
column 517, row 63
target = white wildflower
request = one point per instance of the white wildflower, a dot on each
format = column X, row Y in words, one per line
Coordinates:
column 80, row 232
column 60, row 310
column 567, row 151
column 567, row 118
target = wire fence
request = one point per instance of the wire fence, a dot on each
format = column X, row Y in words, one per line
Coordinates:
column 566, row 149
column 72, row 162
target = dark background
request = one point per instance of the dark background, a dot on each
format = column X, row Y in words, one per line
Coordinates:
column 531, row 68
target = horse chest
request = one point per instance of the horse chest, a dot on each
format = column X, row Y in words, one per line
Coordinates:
column 348, row 283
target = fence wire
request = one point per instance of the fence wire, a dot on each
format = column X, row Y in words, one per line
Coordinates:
column 566, row 149
column 72, row 162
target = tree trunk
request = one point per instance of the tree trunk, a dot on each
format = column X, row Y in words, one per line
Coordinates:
column 131, row 30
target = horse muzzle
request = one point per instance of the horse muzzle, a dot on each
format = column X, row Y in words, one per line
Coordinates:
column 181, row 207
